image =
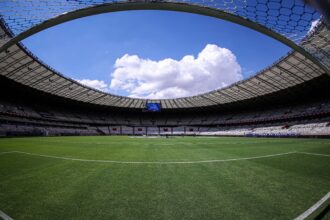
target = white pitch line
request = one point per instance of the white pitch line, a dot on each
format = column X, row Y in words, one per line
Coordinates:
column 316, row 154
column 4, row 216
column 313, row 208
column 7, row 152
column 153, row 162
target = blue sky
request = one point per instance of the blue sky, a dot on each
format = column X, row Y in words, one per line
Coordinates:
column 88, row 48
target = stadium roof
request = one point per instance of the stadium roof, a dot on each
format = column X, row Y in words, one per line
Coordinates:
column 288, row 22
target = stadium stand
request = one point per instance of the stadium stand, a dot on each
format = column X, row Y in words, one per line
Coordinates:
column 26, row 112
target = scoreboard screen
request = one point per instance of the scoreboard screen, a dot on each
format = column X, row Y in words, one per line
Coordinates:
column 153, row 107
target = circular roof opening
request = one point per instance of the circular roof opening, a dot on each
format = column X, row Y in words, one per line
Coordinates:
column 155, row 54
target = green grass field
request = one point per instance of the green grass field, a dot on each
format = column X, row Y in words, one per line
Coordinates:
column 175, row 178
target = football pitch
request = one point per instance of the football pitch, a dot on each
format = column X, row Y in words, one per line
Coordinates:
column 163, row 178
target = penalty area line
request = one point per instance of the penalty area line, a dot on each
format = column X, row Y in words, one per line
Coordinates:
column 153, row 162
column 4, row 216
column 312, row 209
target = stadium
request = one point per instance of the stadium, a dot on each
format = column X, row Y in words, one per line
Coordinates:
column 258, row 148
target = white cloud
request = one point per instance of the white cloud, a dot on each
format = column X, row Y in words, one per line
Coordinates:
column 96, row 84
column 213, row 68
column 313, row 25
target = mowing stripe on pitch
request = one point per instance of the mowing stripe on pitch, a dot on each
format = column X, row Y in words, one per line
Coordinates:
column 4, row 216
column 153, row 162
column 313, row 208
